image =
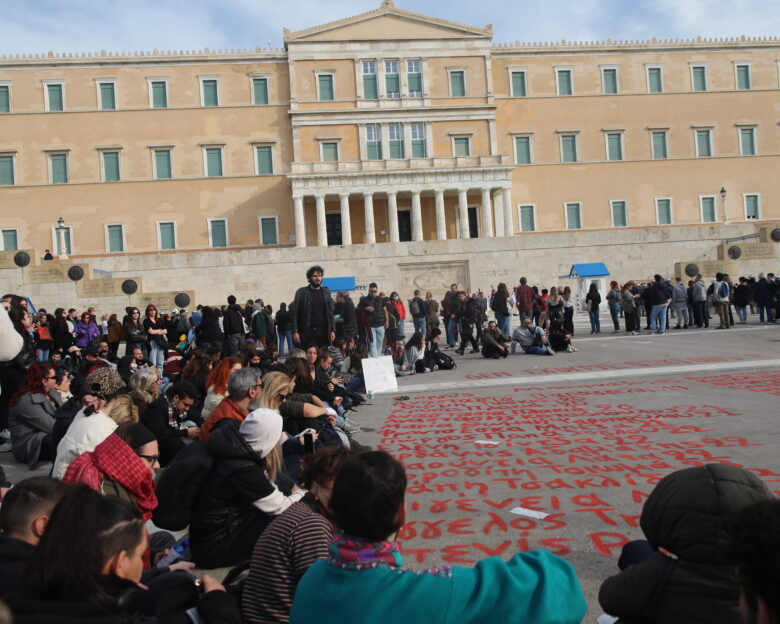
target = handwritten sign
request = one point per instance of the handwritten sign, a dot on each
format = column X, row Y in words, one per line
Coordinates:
column 379, row 374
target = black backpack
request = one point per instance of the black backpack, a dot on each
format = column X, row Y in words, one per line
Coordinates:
column 179, row 484
column 444, row 361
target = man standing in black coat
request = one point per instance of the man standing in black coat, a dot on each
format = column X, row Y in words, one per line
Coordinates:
column 311, row 312
column 233, row 326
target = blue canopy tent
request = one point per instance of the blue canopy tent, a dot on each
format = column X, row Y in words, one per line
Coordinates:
column 339, row 283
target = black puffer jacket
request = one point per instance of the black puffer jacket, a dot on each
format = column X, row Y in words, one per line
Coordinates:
column 686, row 515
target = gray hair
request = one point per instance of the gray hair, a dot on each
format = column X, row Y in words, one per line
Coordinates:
column 241, row 381
column 141, row 383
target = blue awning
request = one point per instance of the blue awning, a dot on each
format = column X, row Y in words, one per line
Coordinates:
column 589, row 269
column 339, row 283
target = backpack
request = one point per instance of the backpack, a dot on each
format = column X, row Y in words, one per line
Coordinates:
column 414, row 307
column 723, row 292
column 179, row 484
column 444, row 361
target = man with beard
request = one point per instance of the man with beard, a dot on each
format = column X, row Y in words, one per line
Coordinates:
column 245, row 388
column 311, row 313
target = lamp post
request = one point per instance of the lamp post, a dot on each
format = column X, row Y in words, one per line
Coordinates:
column 60, row 230
column 723, row 205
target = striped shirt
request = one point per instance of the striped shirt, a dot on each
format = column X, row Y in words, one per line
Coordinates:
column 285, row 550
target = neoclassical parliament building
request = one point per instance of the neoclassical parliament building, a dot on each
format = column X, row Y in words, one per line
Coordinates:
column 391, row 127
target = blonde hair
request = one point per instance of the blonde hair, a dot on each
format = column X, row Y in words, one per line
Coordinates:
column 273, row 384
column 123, row 410
column 141, row 383
column 273, row 461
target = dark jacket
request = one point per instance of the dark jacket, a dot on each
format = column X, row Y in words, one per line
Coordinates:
column 14, row 555
column 378, row 317
column 233, row 320
column 347, row 312
column 135, row 336
column 282, row 321
column 30, row 420
column 742, row 295
column 63, row 417
column 300, row 311
column 499, row 304
column 595, row 298
column 208, row 331
column 762, row 292
column 123, row 366
column 686, row 515
column 660, row 293
column 170, row 439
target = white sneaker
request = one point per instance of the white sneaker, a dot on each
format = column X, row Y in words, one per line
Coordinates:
column 550, row 350
column 5, row 447
column 569, row 349
column 5, row 434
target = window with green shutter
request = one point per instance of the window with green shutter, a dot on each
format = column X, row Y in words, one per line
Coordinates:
column 116, row 241
column 55, row 97
column 396, row 140
column 374, row 142
column 573, row 217
column 214, row 162
column 614, row 146
column 619, row 215
column 218, row 232
column 5, row 99
column 6, row 170
column 265, row 160
column 527, row 219
column 522, row 150
column 518, row 84
column 659, row 145
column 107, row 96
column 369, row 80
column 59, row 168
column 708, row 209
column 162, row 164
column 743, row 77
column 10, row 242
column 458, row 83
column 569, row 147
column 699, row 73
column 330, row 152
column 167, row 235
column 260, row 91
column 392, row 80
column 414, row 77
column 609, row 79
column 325, row 83
column 564, row 82
column 703, row 144
column 210, row 93
column 159, row 94
column 664, row 209
column 747, row 140
column 654, row 80
column 751, row 207
column 462, row 146
column 268, row 231
column 418, row 141
column 110, row 166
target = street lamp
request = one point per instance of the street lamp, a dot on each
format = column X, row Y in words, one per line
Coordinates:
column 723, row 204
column 60, row 230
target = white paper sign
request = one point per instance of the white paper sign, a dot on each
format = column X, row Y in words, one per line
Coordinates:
column 531, row 513
column 489, row 442
column 379, row 374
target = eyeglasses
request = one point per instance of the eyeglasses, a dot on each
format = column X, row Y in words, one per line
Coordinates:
column 52, row 377
column 152, row 459
column 282, row 397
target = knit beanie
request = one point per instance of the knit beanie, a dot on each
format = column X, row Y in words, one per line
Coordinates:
column 262, row 430
column 137, row 436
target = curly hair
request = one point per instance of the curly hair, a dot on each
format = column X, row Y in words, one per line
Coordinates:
column 33, row 381
column 218, row 377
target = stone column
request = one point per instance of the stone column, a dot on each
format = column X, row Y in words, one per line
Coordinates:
column 368, row 201
column 509, row 228
column 417, row 233
column 300, row 222
column 441, row 225
column 346, row 223
column 322, row 228
column 463, row 213
column 392, row 216
column 487, row 213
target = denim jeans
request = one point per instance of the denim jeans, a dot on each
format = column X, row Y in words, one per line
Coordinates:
column 761, row 309
column 451, row 331
column 614, row 312
column 504, row 323
column 43, row 354
column 285, row 336
column 355, row 384
column 658, row 317
column 156, row 356
column 378, row 337
column 595, row 323
column 536, row 350
column 419, row 325
column 741, row 312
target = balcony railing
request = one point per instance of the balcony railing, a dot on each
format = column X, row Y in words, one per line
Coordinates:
column 400, row 164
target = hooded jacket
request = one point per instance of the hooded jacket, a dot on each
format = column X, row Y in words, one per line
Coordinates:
column 686, row 515
column 14, row 555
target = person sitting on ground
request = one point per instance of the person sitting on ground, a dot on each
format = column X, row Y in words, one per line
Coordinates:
column 245, row 388
column 144, row 388
column 365, row 563
column 681, row 573
column 559, row 338
column 754, row 550
column 414, row 354
column 23, row 517
column 531, row 339
column 131, row 362
column 494, row 342
column 92, row 424
column 239, row 497
column 168, row 419
column 294, row 541
column 88, row 565
column 216, row 383
column 396, row 351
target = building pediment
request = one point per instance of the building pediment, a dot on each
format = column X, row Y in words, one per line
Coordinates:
column 384, row 24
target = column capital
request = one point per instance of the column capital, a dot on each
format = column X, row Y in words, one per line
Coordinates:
column 319, row 195
column 343, row 195
column 367, row 194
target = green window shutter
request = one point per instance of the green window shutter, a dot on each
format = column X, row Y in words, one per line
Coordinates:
column 659, row 145
column 751, row 206
column 59, row 168
column 107, row 96
column 268, row 231
column 708, row 209
column 10, row 243
column 210, row 93
column 55, row 97
column 159, row 94
column 392, row 85
column 569, row 147
column 610, row 81
column 619, row 217
column 369, row 87
column 748, row 141
column 326, row 87
column 396, row 148
column 330, row 152
column 518, row 84
column 260, row 90
column 573, row 216
column 115, row 242
column 418, row 148
column 218, row 233
column 415, row 84
column 167, row 236
column 111, row 166
column 374, row 150
column 6, row 170
column 614, row 147
column 743, row 77
column 700, row 78
column 527, row 221
column 265, row 162
column 458, row 83
column 5, row 99
column 214, row 162
column 523, row 150
column 162, row 163
column 664, row 211
column 564, row 82
column 462, row 147
column 703, row 143
column 654, row 80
